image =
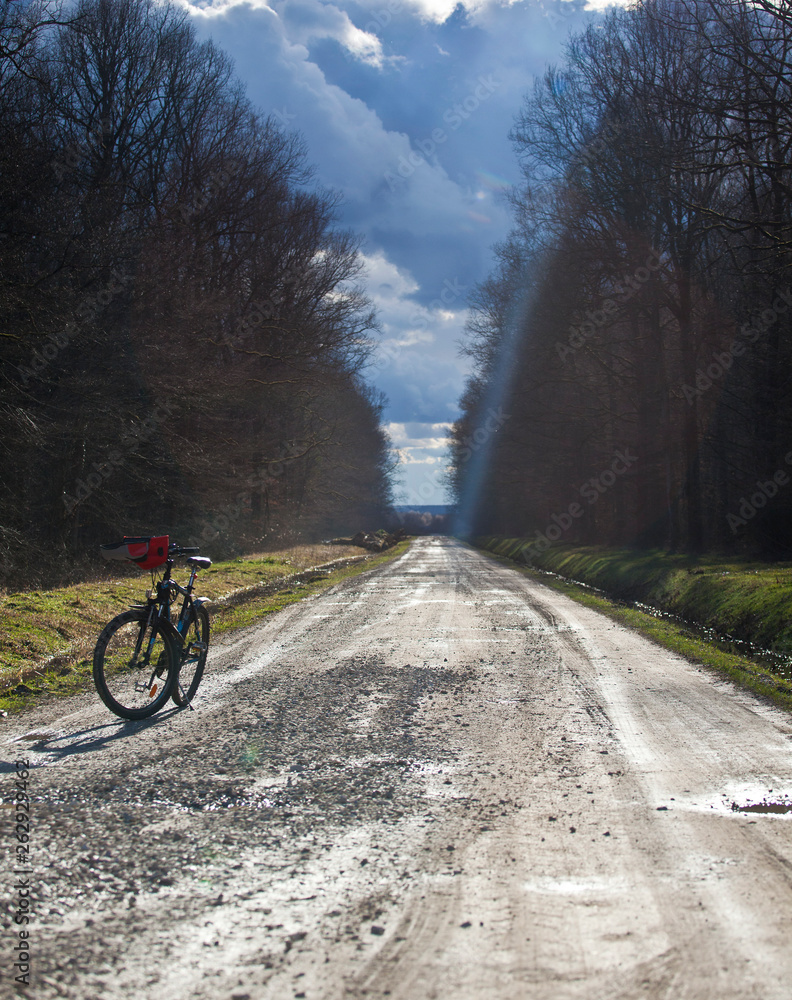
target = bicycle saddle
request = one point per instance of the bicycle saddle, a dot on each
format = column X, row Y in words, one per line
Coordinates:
column 202, row 562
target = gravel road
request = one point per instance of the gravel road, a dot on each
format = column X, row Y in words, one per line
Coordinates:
column 438, row 779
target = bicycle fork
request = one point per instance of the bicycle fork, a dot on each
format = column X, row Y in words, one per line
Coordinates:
column 150, row 687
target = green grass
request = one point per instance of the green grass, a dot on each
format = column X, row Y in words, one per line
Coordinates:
column 745, row 599
column 47, row 637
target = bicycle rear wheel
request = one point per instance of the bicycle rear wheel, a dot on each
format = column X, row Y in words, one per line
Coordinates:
column 134, row 666
column 192, row 655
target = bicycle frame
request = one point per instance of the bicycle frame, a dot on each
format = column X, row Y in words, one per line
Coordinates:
column 183, row 621
column 160, row 598
column 167, row 587
column 159, row 603
column 167, row 593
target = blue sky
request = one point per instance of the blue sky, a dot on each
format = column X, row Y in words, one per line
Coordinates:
column 405, row 108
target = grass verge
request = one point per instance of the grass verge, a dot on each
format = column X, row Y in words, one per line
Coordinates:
column 47, row 637
column 742, row 670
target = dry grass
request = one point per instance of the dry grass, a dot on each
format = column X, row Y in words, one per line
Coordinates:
column 304, row 556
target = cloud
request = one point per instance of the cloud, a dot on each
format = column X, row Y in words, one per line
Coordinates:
column 403, row 190
column 423, row 462
column 307, row 20
column 406, row 435
column 416, row 362
column 422, row 450
column 405, row 107
column 302, row 21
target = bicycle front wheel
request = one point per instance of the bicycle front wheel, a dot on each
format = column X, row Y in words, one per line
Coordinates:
column 192, row 655
column 134, row 666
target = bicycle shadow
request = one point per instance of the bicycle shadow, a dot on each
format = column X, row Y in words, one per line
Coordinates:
column 59, row 746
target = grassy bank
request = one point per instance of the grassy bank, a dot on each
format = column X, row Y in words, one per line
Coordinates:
column 727, row 598
column 47, row 637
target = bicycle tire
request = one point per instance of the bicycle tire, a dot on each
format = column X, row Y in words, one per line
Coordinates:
column 192, row 656
column 134, row 666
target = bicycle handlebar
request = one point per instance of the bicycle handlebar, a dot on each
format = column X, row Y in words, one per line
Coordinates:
column 182, row 550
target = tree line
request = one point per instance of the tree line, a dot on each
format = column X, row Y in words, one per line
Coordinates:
column 183, row 330
column 636, row 329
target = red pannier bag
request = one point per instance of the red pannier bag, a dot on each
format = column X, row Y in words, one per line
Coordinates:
column 145, row 552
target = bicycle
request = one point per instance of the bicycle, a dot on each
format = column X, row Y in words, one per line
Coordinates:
column 151, row 653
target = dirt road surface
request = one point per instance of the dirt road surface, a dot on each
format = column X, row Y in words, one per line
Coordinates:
column 439, row 779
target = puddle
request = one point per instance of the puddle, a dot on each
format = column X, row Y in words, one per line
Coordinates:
column 770, row 808
column 769, row 798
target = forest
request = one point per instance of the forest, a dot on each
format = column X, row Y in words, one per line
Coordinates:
column 183, row 327
column 635, row 334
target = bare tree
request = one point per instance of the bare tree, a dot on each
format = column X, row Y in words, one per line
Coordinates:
column 653, row 217
column 182, row 314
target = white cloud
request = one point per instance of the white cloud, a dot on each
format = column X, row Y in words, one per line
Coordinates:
column 386, row 282
column 422, row 450
column 401, row 437
column 309, row 20
column 416, row 361
column 303, row 21
column 438, row 11
column 601, row 5
column 407, row 322
column 216, row 8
